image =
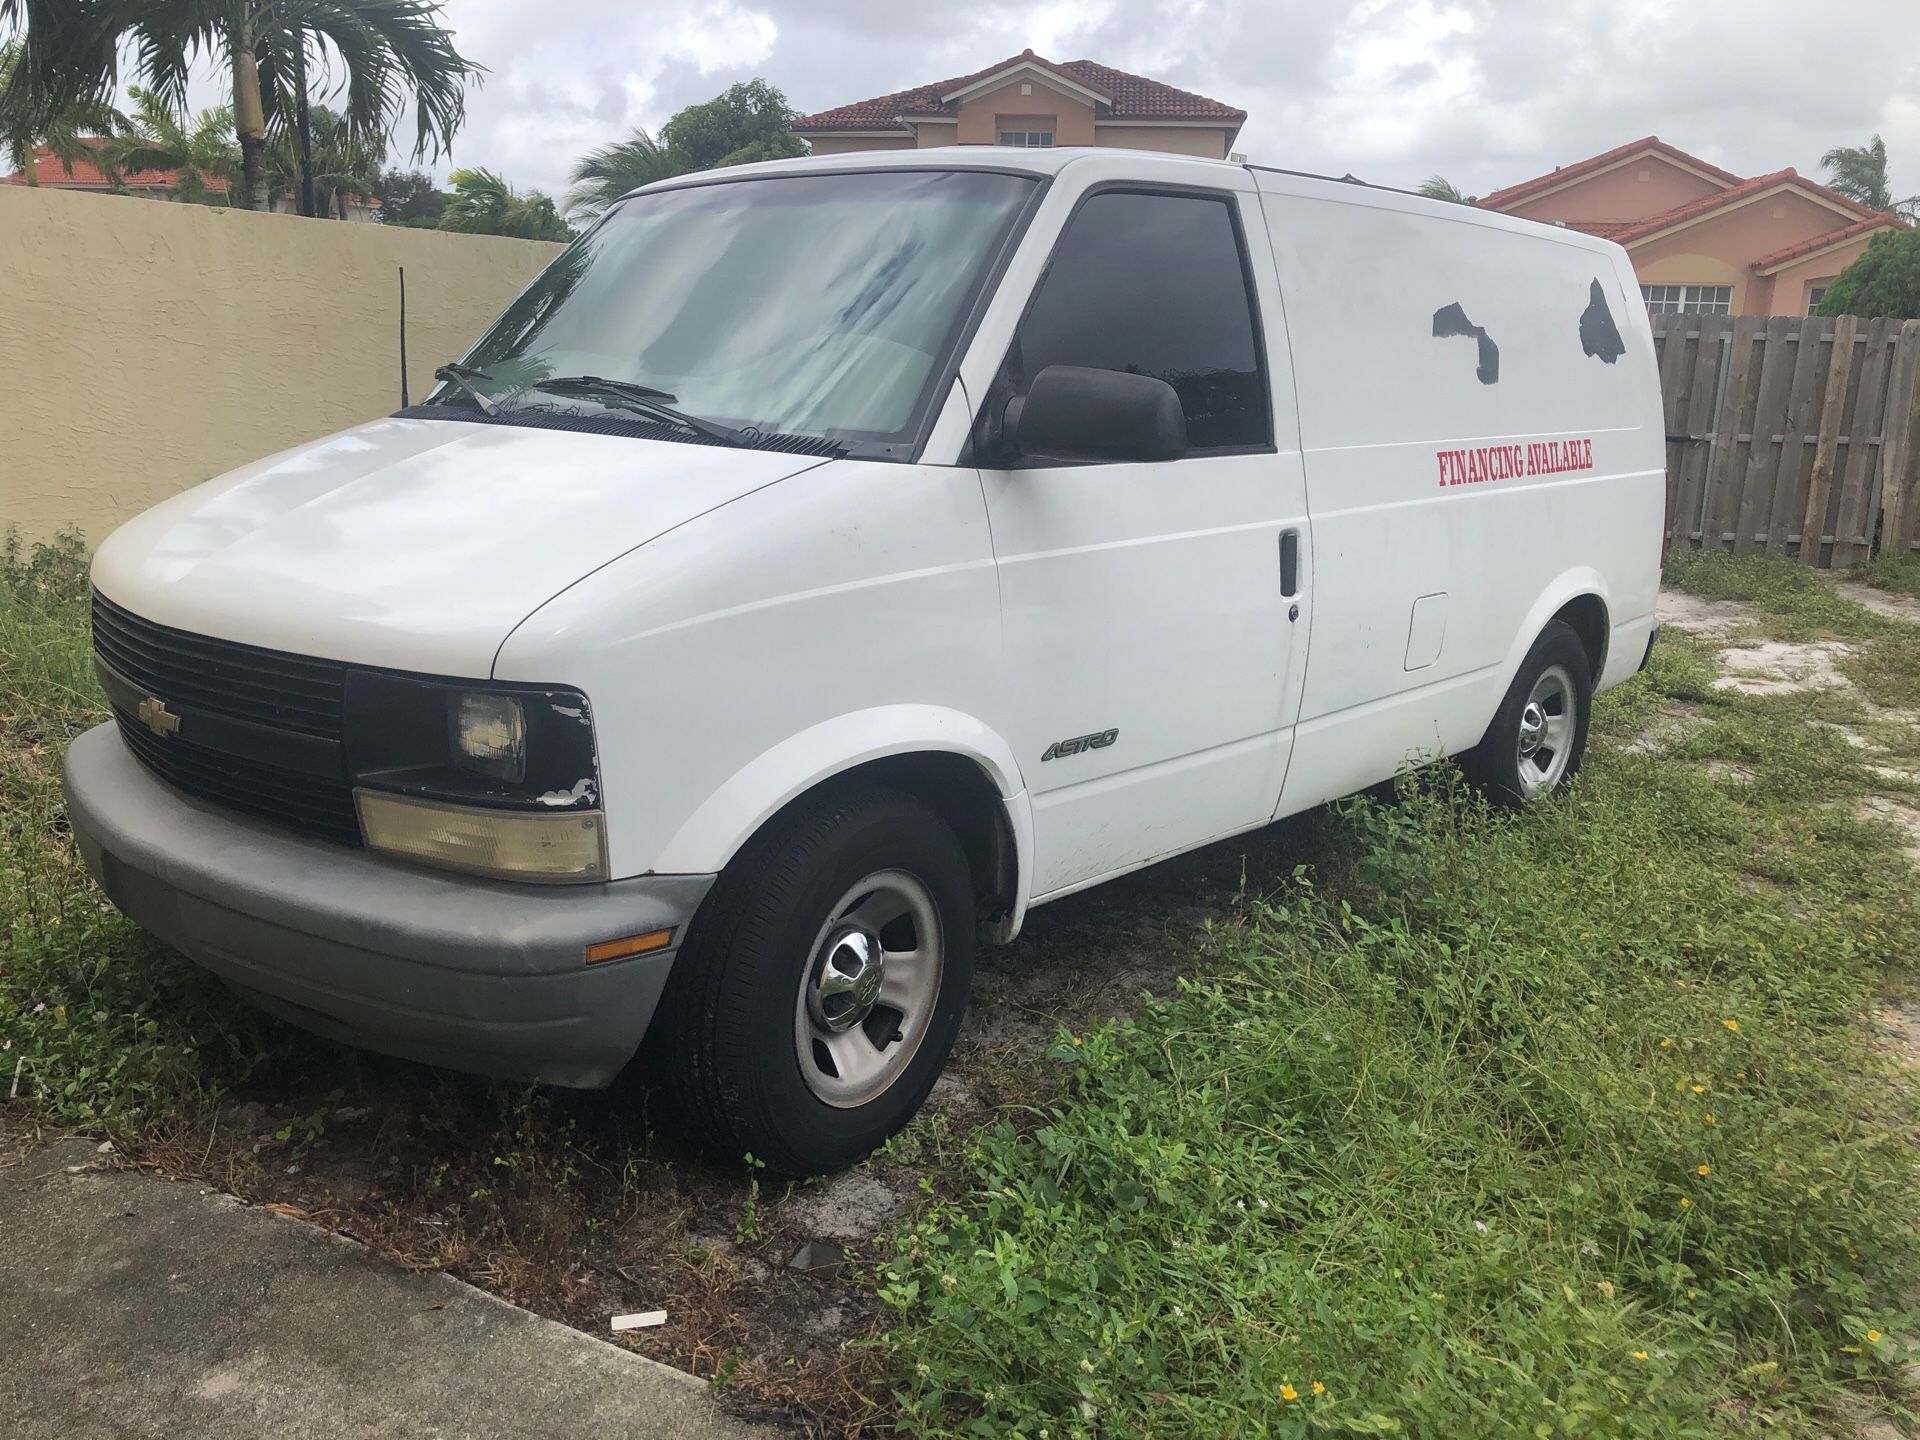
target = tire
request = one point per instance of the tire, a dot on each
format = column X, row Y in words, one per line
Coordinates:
column 745, row 1026
column 1554, row 677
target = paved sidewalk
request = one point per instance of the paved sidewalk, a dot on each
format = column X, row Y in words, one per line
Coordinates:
column 134, row 1307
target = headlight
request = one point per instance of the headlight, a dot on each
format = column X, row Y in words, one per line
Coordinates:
column 498, row 780
column 490, row 735
column 565, row 845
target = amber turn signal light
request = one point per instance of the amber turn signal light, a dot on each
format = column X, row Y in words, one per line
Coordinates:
column 632, row 945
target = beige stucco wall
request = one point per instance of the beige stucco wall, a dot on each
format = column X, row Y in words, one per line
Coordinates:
column 1790, row 285
column 1208, row 141
column 1719, row 249
column 1676, row 265
column 844, row 144
column 1641, row 187
column 979, row 114
column 144, row 347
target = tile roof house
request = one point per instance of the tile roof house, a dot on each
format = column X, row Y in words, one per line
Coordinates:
column 1702, row 238
column 54, row 174
column 1030, row 100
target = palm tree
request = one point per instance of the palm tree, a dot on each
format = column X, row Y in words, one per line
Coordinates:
column 1859, row 172
column 66, row 133
column 1438, row 187
column 389, row 52
column 340, row 163
column 200, row 149
column 604, row 175
column 484, row 204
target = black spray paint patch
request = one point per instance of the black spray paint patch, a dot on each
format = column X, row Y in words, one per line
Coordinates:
column 1451, row 320
column 1599, row 336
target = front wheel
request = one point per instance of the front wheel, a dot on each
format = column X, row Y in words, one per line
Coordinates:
column 822, row 984
column 1539, row 733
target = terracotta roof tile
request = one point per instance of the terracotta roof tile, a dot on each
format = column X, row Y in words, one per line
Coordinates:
column 1502, row 198
column 87, row 176
column 1128, row 97
column 1785, row 253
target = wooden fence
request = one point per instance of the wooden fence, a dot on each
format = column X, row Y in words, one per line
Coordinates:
column 1792, row 436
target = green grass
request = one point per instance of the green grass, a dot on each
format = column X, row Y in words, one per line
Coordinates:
column 1898, row 573
column 99, row 1025
column 1432, row 1138
column 1424, row 1130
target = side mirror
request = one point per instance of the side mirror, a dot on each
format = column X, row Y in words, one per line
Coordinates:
column 1074, row 413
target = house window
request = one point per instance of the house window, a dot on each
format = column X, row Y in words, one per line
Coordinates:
column 1814, row 297
column 1688, row 299
column 1026, row 137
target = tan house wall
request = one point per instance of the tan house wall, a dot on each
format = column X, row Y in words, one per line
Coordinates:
column 847, row 144
column 1678, row 265
column 149, row 347
column 1641, row 187
column 1790, row 285
column 1770, row 222
column 979, row 114
column 1207, row 141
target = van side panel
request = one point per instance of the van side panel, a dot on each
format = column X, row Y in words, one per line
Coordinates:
column 1480, row 419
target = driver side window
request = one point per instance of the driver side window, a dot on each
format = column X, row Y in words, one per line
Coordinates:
column 1154, row 284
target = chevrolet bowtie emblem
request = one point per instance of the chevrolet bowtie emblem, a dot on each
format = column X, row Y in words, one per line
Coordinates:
column 157, row 718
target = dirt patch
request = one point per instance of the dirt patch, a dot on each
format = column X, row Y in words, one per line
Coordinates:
column 1668, row 730
column 1901, row 813
column 1898, row 607
column 1777, row 667
column 1705, row 618
column 850, row 1207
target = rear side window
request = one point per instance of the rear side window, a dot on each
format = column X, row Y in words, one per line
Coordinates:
column 1155, row 285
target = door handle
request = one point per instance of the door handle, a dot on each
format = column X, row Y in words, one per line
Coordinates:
column 1289, row 562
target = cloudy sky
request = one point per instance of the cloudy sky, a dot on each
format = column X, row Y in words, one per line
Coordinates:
column 1485, row 92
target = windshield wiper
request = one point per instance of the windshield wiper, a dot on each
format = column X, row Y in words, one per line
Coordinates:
column 644, row 398
column 464, row 376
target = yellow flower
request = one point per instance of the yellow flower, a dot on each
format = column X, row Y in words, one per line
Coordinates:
column 1684, row 1202
column 1287, row 1392
column 1639, row 1354
column 1318, row 1388
column 1731, row 1024
column 1704, row 1169
column 1667, row 1044
column 1873, row 1337
column 1710, row 1119
column 1699, row 1089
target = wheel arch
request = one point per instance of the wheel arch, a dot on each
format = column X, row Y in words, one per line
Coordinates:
column 952, row 762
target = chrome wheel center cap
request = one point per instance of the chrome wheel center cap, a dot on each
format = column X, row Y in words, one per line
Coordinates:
column 846, row 981
column 1533, row 728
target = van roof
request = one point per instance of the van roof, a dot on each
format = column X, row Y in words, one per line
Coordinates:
column 1031, row 160
column 1051, row 160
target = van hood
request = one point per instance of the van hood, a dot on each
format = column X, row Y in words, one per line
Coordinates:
column 413, row 544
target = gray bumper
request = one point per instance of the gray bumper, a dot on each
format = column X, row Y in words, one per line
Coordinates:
column 471, row 974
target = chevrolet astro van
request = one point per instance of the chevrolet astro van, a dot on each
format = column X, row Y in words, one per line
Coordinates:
column 824, row 562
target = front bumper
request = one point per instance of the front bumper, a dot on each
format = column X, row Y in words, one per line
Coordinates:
column 477, row 975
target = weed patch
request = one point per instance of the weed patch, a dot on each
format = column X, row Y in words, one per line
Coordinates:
column 1559, row 1123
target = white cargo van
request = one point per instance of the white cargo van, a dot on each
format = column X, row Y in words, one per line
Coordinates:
column 824, row 562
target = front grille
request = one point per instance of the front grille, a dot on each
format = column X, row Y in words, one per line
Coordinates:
column 199, row 676
column 242, row 682
column 321, row 808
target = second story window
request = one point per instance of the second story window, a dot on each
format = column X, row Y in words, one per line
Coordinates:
column 1026, row 137
column 1814, row 297
column 1688, row 299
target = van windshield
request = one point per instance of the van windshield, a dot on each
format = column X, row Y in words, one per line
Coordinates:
column 818, row 305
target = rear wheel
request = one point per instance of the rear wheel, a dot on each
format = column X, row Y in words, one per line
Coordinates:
column 1539, row 733
column 823, row 983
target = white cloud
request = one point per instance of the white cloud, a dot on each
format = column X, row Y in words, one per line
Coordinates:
column 1484, row 91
